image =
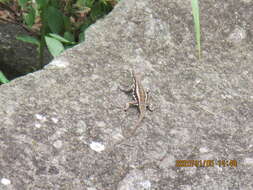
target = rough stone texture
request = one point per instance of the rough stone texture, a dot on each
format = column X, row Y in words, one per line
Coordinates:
column 61, row 127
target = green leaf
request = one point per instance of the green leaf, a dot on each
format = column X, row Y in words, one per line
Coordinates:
column 96, row 11
column 69, row 36
column 99, row 9
column 104, row 2
column 4, row 1
column 55, row 19
column 68, row 46
column 3, row 79
column 61, row 39
column 22, row 3
column 55, row 3
column 30, row 17
column 86, row 24
column 42, row 3
column 55, row 47
column 67, row 23
column 89, row 3
column 81, row 36
column 195, row 12
column 80, row 3
column 28, row 39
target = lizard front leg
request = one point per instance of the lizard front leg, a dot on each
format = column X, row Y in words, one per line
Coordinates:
column 148, row 105
column 134, row 103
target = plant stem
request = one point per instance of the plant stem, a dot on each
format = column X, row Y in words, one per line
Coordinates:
column 42, row 39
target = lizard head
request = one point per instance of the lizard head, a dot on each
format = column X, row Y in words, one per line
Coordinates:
column 136, row 76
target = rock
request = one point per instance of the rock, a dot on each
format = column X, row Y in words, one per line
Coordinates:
column 16, row 57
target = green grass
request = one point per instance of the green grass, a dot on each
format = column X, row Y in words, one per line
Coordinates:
column 195, row 12
column 3, row 79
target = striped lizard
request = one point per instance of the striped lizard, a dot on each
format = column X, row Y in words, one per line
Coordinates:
column 141, row 98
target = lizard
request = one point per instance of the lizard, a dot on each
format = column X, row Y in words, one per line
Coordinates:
column 141, row 99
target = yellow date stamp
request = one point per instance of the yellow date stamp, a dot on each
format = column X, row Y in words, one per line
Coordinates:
column 206, row 163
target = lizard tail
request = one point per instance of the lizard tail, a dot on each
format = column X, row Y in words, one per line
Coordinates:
column 138, row 124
